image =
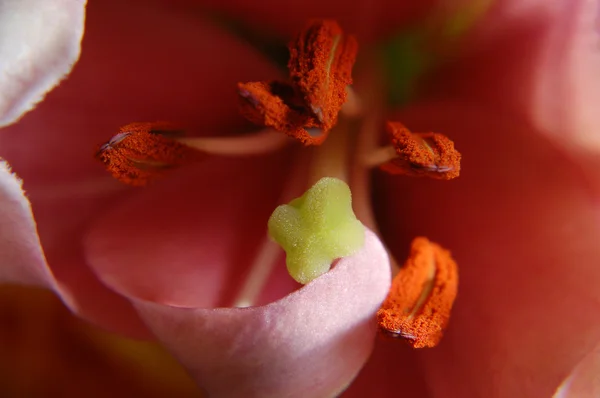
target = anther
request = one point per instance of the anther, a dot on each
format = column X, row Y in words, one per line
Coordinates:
column 420, row 154
column 275, row 104
column 420, row 300
column 140, row 152
column 321, row 61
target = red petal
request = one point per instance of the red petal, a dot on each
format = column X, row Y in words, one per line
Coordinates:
column 367, row 18
column 539, row 59
column 187, row 241
column 524, row 226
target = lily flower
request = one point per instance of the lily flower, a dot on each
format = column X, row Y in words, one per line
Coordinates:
column 178, row 259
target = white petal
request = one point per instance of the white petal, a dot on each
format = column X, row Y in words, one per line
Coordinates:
column 21, row 257
column 39, row 43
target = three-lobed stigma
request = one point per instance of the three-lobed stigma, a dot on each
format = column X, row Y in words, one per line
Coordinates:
column 317, row 228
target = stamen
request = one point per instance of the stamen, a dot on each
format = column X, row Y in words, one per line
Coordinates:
column 379, row 156
column 421, row 154
column 331, row 159
column 259, row 143
column 418, row 306
column 275, row 105
column 140, row 152
column 321, row 61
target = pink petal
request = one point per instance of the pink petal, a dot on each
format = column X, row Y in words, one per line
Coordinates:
column 309, row 344
column 128, row 72
column 524, row 228
column 568, row 78
column 21, row 257
column 538, row 59
column 39, row 43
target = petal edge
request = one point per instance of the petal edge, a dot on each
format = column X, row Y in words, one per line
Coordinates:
column 316, row 338
column 39, row 43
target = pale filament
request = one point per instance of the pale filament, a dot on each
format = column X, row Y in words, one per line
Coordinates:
column 260, row 271
column 331, row 159
column 259, row 143
column 379, row 156
column 365, row 145
column 353, row 106
column 268, row 253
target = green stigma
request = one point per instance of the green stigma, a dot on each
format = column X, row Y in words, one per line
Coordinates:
column 317, row 228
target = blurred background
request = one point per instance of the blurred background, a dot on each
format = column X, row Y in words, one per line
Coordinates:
column 47, row 352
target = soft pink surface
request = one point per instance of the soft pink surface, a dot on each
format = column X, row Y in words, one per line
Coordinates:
column 308, row 344
column 22, row 258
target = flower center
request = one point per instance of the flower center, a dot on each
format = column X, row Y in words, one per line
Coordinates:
column 317, row 107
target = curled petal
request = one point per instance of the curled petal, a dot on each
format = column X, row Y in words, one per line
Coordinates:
column 21, row 257
column 39, row 43
column 311, row 343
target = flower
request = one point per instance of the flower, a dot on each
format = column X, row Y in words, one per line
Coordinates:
column 521, row 219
